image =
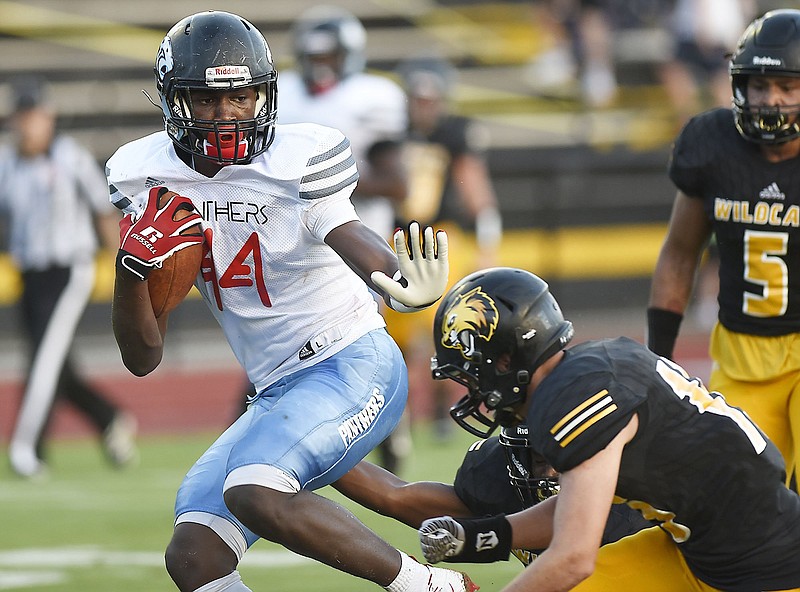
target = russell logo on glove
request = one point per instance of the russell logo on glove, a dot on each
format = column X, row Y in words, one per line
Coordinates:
column 147, row 237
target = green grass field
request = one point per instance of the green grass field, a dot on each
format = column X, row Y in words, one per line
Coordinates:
column 89, row 528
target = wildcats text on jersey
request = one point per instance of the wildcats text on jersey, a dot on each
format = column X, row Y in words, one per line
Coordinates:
column 762, row 213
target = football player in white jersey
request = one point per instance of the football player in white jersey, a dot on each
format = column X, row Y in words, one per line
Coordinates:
column 286, row 269
column 329, row 86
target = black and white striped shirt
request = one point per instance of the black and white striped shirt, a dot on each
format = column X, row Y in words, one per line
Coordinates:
column 51, row 200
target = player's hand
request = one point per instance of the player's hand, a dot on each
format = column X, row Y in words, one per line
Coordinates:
column 481, row 540
column 441, row 538
column 424, row 268
column 150, row 238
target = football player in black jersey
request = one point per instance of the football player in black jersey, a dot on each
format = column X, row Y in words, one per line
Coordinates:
column 500, row 474
column 738, row 178
column 621, row 425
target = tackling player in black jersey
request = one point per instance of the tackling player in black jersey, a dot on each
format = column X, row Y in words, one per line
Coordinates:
column 501, row 474
column 738, row 178
column 621, row 425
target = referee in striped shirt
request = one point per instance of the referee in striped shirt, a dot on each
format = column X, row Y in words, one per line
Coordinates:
column 55, row 198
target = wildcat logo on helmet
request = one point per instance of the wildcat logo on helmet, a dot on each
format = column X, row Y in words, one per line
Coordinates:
column 472, row 316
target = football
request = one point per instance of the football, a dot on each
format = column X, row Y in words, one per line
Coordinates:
column 169, row 284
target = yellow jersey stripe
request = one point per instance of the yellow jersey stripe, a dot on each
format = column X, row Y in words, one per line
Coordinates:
column 586, row 415
column 586, row 425
column 577, row 410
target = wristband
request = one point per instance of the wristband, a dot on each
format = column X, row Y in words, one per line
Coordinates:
column 141, row 269
column 486, row 540
column 662, row 330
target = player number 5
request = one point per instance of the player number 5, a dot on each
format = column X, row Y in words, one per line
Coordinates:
column 764, row 267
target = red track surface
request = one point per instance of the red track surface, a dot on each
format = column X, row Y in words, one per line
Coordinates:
column 164, row 402
column 175, row 401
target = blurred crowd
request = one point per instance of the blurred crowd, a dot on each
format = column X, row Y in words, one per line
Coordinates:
column 689, row 40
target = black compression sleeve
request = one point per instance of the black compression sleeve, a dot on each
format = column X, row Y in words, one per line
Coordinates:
column 662, row 330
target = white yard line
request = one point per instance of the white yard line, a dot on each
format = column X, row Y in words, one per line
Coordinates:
column 47, row 566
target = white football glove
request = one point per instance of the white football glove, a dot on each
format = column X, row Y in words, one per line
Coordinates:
column 422, row 277
column 441, row 538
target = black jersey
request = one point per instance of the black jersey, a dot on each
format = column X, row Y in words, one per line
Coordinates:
column 754, row 207
column 482, row 480
column 696, row 465
column 482, row 483
column 432, row 196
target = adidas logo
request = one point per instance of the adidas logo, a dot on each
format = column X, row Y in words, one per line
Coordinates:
column 772, row 191
column 306, row 351
column 150, row 182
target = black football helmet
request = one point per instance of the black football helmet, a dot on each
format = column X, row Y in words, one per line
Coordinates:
column 770, row 46
column 492, row 330
column 216, row 50
column 328, row 30
column 530, row 474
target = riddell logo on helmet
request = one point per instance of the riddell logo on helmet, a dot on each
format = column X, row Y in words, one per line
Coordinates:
column 766, row 61
column 231, row 70
column 224, row 76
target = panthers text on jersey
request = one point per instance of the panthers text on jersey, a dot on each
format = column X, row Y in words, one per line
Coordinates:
column 754, row 208
column 284, row 298
column 697, row 466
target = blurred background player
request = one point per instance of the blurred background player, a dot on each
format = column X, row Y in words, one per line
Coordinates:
column 737, row 178
column 330, row 86
column 55, row 197
column 703, row 32
column 449, row 187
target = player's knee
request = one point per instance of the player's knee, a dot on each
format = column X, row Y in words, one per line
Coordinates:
column 196, row 555
column 180, row 563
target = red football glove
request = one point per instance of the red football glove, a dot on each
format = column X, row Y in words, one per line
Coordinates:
column 146, row 242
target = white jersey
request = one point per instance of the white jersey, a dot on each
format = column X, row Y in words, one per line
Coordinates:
column 367, row 109
column 283, row 297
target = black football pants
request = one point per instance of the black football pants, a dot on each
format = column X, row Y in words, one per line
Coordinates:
column 52, row 303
